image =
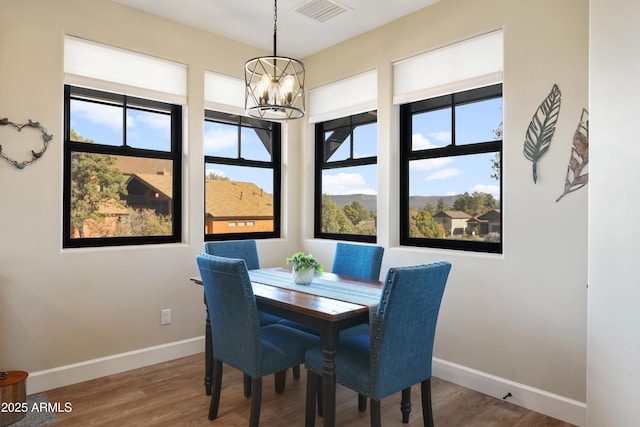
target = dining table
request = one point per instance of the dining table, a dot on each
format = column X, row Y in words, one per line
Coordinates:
column 329, row 304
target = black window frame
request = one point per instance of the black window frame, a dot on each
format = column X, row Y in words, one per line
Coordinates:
column 275, row 164
column 407, row 154
column 174, row 155
column 322, row 148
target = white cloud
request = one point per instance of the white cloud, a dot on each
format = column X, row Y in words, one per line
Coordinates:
column 154, row 121
column 443, row 174
column 217, row 140
column 430, row 164
column 442, row 136
column 345, row 183
column 100, row 114
column 420, row 142
column 487, row 188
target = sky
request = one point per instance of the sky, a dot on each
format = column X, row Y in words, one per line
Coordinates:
column 439, row 177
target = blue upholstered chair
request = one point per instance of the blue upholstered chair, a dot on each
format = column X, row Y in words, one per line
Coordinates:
column 362, row 261
column 353, row 260
column 239, row 339
column 398, row 350
column 248, row 251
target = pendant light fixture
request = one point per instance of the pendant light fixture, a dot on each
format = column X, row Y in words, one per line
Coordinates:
column 274, row 84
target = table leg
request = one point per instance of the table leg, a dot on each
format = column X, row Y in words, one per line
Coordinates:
column 329, row 340
column 208, row 353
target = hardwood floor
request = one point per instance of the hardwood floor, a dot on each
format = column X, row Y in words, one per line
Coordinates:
column 172, row 394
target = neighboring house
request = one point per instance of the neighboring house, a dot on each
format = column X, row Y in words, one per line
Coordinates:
column 237, row 207
column 453, row 222
column 486, row 223
column 149, row 183
column 147, row 191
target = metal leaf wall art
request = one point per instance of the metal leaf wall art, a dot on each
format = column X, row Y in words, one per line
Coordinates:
column 577, row 177
column 543, row 125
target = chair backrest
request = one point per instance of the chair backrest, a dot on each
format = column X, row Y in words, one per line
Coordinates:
column 235, row 325
column 362, row 261
column 405, row 325
column 243, row 249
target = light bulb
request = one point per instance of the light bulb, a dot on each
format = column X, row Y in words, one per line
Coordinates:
column 287, row 87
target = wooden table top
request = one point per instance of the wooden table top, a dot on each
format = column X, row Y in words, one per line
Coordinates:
column 305, row 303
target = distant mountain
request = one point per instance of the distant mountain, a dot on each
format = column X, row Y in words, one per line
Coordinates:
column 422, row 201
column 369, row 201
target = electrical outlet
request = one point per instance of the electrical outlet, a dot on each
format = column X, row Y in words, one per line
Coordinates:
column 165, row 316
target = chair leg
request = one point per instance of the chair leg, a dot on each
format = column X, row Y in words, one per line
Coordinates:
column 319, row 393
column 405, row 405
column 296, row 372
column 375, row 413
column 215, row 393
column 280, row 380
column 256, row 401
column 247, row 385
column 362, row 402
column 427, row 410
column 310, row 408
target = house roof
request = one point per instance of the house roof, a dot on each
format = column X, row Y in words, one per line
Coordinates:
column 139, row 165
column 236, row 199
column 453, row 214
column 159, row 183
column 493, row 214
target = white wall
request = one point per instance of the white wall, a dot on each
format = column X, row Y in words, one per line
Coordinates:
column 60, row 307
column 613, row 374
column 520, row 316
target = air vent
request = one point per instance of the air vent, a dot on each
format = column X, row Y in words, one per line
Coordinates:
column 321, row 10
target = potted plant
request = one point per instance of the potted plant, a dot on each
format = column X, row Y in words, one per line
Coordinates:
column 304, row 267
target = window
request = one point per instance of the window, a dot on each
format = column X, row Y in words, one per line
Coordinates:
column 346, row 178
column 122, row 169
column 450, row 163
column 242, row 177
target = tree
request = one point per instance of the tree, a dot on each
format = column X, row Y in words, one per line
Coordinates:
column 475, row 204
column 495, row 162
column 356, row 212
column 334, row 219
column 217, row 176
column 95, row 182
column 422, row 224
column 143, row 222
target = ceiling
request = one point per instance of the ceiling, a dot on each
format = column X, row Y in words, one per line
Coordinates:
column 300, row 30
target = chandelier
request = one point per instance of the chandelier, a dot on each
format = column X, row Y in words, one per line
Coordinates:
column 274, row 85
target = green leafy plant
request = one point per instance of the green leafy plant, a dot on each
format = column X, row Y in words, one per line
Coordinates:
column 302, row 262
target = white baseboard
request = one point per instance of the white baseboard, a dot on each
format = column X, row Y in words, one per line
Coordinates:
column 553, row 405
column 550, row 404
column 84, row 371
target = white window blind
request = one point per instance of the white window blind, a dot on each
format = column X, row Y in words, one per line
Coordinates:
column 99, row 66
column 346, row 97
column 461, row 66
column 223, row 93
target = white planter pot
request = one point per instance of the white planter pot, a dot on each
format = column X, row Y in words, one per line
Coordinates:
column 303, row 277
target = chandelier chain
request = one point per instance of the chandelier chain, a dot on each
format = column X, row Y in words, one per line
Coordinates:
column 275, row 16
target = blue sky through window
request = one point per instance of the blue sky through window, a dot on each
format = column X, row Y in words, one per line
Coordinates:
column 438, row 177
column 104, row 125
column 475, row 122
